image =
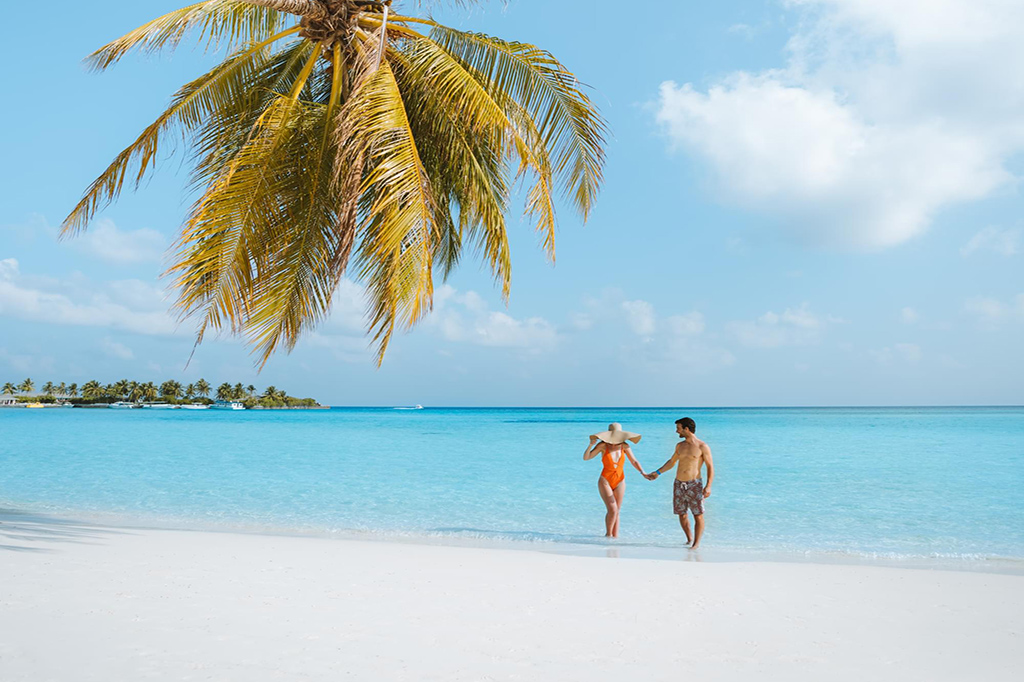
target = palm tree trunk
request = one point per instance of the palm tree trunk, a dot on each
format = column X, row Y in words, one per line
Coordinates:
column 303, row 8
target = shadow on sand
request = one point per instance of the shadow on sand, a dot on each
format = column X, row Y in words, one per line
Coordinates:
column 28, row 532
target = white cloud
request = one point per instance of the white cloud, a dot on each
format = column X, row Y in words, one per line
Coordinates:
column 640, row 317
column 657, row 344
column 909, row 353
column 581, row 321
column 991, row 312
column 130, row 305
column 346, row 348
column 691, row 324
column 8, row 269
column 503, row 331
column 909, row 316
column 885, row 113
column 744, row 30
column 1002, row 242
column 465, row 318
column 117, row 350
column 20, row 362
column 794, row 327
column 348, row 308
column 107, row 242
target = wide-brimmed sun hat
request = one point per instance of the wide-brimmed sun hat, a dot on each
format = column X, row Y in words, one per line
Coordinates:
column 615, row 435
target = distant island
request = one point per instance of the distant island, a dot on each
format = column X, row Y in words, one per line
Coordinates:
column 171, row 393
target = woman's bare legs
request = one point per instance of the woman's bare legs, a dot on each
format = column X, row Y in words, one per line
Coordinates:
column 611, row 519
column 620, row 492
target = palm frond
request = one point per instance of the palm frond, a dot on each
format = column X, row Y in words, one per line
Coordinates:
column 224, row 242
column 462, row 133
column 199, row 99
column 566, row 118
column 228, row 22
column 294, row 287
column 397, row 230
column 328, row 147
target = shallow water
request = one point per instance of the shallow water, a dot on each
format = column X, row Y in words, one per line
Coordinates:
column 906, row 484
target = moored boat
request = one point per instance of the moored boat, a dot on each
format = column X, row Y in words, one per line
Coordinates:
column 227, row 405
column 122, row 405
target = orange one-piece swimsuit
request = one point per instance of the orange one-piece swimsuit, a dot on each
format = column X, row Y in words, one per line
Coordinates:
column 613, row 471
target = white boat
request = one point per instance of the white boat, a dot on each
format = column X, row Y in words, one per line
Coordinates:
column 225, row 405
column 414, row 407
column 160, row 406
column 122, row 405
column 195, row 406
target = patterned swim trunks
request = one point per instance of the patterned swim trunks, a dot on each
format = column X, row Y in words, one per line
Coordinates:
column 688, row 495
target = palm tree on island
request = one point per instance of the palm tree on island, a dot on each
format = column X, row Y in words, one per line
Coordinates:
column 338, row 129
column 202, row 388
column 27, row 386
column 170, row 390
column 224, row 392
column 92, row 390
column 10, row 389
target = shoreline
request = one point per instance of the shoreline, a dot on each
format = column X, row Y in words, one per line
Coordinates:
column 595, row 547
column 170, row 605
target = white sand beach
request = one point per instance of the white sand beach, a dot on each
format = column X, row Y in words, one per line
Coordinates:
column 80, row 602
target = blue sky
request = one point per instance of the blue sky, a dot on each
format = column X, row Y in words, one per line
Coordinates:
column 807, row 202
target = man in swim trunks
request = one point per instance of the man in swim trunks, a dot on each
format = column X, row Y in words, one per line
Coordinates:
column 690, row 491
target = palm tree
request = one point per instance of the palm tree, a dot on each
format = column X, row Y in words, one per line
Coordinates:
column 250, row 390
column 122, row 388
column 72, row 390
column 136, row 391
column 224, row 391
column 273, row 394
column 202, row 388
column 9, row 388
column 62, row 390
column 48, row 388
column 336, row 129
column 190, row 391
column 170, row 389
column 91, row 390
column 27, row 386
column 147, row 391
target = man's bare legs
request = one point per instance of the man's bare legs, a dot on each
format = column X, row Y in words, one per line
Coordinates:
column 684, row 521
column 620, row 492
column 611, row 519
column 698, row 530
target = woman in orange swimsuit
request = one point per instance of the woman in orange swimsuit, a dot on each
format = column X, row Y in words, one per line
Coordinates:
column 613, row 446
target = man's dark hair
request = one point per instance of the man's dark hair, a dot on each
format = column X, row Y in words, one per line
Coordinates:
column 687, row 423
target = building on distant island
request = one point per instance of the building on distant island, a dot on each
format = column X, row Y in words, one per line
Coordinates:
column 8, row 401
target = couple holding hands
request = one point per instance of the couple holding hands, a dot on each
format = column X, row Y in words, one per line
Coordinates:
column 689, row 489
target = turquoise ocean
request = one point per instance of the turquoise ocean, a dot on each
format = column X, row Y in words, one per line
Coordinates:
column 940, row 487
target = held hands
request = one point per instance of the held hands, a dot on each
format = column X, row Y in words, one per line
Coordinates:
column 651, row 476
